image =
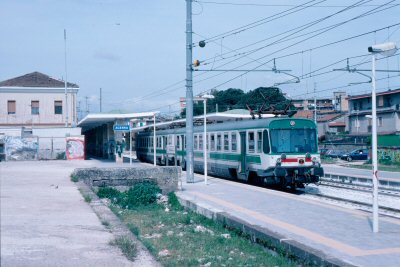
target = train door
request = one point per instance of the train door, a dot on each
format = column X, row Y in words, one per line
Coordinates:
column 242, row 170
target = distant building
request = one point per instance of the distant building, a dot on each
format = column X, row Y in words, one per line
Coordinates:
column 388, row 113
column 35, row 100
column 337, row 103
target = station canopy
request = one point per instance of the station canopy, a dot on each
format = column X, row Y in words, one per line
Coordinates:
column 95, row 120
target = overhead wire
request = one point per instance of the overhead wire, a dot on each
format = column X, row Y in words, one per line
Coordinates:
column 301, row 27
column 266, row 5
column 165, row 89
column 305, row 39
column 263, row 20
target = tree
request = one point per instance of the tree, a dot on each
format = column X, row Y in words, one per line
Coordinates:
column 234, row 98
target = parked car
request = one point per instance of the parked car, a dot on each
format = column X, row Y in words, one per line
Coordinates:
column 332, row 153
column 358, row 154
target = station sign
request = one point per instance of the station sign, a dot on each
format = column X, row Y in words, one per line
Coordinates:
column 121, row 128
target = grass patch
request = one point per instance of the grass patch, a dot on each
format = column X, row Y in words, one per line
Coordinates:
column 74, row 178
column 183, row 238
column 127, row 246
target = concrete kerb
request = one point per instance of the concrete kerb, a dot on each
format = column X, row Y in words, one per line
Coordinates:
column 167, row 178
column 116, row 227
column 270, row 239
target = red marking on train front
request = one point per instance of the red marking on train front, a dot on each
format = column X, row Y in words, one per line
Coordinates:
column 289, row 160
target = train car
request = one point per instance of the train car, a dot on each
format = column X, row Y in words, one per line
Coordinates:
column 270, row 151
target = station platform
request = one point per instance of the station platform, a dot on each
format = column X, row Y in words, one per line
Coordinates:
column 321, row 234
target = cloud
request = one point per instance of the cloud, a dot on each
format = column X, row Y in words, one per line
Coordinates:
column 106, row 56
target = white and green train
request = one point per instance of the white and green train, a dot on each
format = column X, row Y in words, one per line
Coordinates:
column 271, row 151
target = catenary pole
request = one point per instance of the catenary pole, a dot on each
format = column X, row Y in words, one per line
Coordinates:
column 375, row 222
column 154, row 140
column 65, row 82
column 189, row 95
column 205, row 140
column 315, row 104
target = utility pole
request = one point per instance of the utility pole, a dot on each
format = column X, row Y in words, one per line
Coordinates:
column 65, row 82
column 189, row 95
column 100, row 100
column 315, row 104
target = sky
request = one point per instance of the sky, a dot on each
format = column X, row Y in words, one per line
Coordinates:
column 135, row 50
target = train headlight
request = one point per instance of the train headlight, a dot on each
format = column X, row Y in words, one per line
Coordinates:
column 278, row 162
column 283, row 156
column 314, row 160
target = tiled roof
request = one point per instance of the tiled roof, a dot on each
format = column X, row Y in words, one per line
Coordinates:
column 329, row 117
column 35, row 79
column 307, row 114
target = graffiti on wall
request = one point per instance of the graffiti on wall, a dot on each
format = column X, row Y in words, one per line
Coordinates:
column 389, row 154
column 75, row 148
column 18, row 148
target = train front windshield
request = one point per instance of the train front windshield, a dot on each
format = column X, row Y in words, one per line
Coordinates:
column 293, row 141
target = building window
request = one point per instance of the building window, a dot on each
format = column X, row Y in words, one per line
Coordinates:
column 34, row 107
column 11, row 107
column 201, row 141
column 380, row 122
column 380, row 101
column 57, row 107
column 195, row 142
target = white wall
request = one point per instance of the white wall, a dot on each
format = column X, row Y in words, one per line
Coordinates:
column 23, row 114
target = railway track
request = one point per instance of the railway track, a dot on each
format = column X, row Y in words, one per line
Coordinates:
column 361, row 188
column 355, row 196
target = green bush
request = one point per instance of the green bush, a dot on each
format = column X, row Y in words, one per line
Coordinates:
column 143, row 193
column 112, row 194
column 74, row 178
column 108, row 192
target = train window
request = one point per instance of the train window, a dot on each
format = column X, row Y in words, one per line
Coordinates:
column 151, row 141
column 233, row 142
column 212, row 142
column 178, row 143
column 266, row 147
column 219, row 142
column 165, row 142
column 195, row 142
column 293, row 140
column 259, row 142
column 207, row 142
column 169, row 140
column 200, row 141
column 184, row 141
column 251, row 142
column 226, row 142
